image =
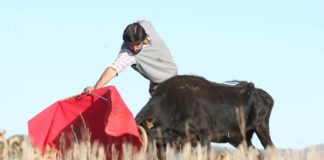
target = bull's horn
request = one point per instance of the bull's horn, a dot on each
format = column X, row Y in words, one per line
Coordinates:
column 143, row 136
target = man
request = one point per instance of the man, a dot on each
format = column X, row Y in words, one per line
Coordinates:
column 145, row 51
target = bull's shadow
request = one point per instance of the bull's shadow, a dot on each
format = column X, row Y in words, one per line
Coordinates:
column 192, row 109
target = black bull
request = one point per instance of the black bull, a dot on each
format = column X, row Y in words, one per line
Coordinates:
column 192, row 109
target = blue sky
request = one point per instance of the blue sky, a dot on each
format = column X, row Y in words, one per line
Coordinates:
column 51, row 50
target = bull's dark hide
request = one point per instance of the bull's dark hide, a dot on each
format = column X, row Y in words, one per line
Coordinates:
column 192, row 109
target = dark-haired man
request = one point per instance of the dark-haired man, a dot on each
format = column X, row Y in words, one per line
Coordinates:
column 146, row 52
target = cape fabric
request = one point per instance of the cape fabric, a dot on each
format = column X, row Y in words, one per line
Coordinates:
column 103, row 113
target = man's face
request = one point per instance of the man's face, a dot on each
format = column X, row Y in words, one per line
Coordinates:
column 135, row 47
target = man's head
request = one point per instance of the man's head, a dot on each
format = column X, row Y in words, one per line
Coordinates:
column 134, row 36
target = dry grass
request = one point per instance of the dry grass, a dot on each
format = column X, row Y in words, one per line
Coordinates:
column 87, row 151
column 84, row 150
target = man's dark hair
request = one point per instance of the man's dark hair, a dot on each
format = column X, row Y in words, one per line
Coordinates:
column 134, row 33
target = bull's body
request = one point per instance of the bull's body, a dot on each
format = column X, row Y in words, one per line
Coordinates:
column 193, row 109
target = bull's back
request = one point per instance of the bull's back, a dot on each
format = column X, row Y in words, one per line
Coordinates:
column 195, row 100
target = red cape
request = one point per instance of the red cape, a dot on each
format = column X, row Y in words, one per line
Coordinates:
column 104, row 114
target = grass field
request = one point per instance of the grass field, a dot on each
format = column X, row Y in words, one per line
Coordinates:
column 86, row 151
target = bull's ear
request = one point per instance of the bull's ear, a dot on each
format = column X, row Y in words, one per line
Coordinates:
column 149, row 123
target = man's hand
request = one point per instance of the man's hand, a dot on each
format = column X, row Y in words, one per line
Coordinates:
column 106, row 76
column 88, row 90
